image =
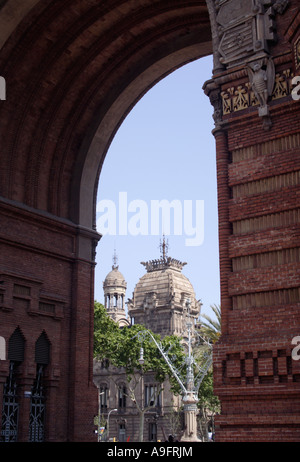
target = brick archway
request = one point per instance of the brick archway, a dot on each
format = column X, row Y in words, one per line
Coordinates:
column 71, row 60
column 73, row 70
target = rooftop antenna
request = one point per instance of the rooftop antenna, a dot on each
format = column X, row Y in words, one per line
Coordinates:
column 164, row 247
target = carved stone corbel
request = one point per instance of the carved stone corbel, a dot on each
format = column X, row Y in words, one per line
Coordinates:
column 213, row 92
column 262, row 78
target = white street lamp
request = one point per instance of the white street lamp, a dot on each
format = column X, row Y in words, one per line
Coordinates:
column 191, row 386
column 112, row 410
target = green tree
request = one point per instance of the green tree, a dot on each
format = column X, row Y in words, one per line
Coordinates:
column 122, row 348
column 211, row 328
column 106, row 333
column 208, row 404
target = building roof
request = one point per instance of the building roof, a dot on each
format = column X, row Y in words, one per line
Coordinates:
column 114, row 279
column 164, row 284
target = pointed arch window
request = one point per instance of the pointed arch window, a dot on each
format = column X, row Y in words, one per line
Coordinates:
column 16, row 347
column 42, row 350
column 10, row 404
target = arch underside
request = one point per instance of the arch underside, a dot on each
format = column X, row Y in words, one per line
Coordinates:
column 81, row 67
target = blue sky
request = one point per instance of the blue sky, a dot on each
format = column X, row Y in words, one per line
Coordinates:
column 164, row 150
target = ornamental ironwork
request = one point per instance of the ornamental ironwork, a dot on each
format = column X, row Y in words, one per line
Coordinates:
column 37, row 408
column 10, row 407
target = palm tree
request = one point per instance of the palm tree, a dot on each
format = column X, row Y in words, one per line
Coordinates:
column 209, row 405
column 211, row 329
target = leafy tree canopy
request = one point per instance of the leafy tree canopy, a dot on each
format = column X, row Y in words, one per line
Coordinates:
column 122, row 346
column 207, row 398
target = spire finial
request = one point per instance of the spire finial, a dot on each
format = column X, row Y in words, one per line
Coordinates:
column 115, row 260
column 164, row 246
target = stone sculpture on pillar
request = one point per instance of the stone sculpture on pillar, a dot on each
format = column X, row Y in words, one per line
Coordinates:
column 243, row 32
column 262, row 77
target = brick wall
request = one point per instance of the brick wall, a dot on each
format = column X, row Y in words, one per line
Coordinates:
column 255, row 376
column 46, row 287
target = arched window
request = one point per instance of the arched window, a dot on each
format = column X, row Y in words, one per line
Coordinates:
column 10, row 405
column 103, row 393
column 122, row 396
column 16, row 347
column 152, row 395
column 42, row 350
column 2, row 348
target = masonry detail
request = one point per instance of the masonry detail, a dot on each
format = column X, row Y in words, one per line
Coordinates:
column 257, row 143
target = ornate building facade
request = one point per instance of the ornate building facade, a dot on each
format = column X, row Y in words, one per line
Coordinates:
column 159, row 303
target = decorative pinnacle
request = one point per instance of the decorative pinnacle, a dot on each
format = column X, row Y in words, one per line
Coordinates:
column 164, row 247
column 164, row 261
column 115, row 260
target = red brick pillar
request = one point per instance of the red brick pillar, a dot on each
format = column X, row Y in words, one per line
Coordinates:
column 257, row 148
column 223, row 158
column 83, row 401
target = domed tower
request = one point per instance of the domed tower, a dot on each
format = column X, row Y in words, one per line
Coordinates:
column 114, row 287
column 160, row 297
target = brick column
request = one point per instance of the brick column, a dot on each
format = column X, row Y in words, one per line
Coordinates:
column 257, row 149
column 83, row 398
column 223, row 157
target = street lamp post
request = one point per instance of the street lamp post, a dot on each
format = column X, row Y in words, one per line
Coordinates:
column 99, row 413
column 191, row 386
column 112, row 410
column 190, row 398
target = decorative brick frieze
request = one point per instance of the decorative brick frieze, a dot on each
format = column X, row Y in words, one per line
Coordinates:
column 265, row 185
column 266, row 259
column 260, row 367
column 243, row 97
column 270, row 239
